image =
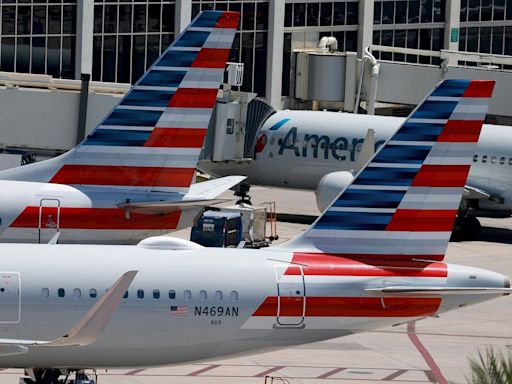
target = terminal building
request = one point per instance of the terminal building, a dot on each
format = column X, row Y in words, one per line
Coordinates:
column 415, row 43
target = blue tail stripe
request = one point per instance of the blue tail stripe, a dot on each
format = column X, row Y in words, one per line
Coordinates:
column 452, row 88
column 435, row 110
column 118, row 137
column 177, row 59
column 207, row 19
column 192, row 39
column 419, row 132
column 133, row 118
column 163, row 78
column 403, row 154
column 387, row 176
column 148, row 98
column 354, row 220
column 370, row 199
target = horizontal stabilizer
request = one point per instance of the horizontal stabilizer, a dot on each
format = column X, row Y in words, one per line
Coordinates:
column 157, row 207
column 199, row 195
column 410, row 290
column 213, row 188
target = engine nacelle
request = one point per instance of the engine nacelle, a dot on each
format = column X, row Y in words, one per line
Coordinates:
column 330, row 186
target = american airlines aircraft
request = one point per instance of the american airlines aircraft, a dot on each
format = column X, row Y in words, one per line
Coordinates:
column 132, row 176
column 372, row 259
column 320, row 150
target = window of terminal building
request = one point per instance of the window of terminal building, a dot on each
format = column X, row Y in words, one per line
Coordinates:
column 496, row 40
column 430, row 39
column 38, row 37
column 330, row 13
column 485, row 10
column 409, row 12
column 128, row 36
column 250, row 44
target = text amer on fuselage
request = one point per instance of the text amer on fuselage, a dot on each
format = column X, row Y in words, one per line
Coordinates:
column 370, row 260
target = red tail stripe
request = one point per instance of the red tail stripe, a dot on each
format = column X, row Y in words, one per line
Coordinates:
column 332, row 265
column 228, row 20
column 418, row 220
column 441, row 176
column 211, row 58
column 479, row 88
column 124, row 175
column 176, row 137
column 193, row 98
column 350, row 307
column 95, row 218
column 459, row 131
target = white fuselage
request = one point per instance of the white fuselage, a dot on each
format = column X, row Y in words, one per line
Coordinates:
column 34, row 212
column 308, row 145
column 199, row 304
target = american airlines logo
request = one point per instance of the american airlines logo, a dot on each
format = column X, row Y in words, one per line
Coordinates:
column 315, row 146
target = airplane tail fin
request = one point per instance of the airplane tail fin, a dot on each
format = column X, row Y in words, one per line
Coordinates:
column 153, row 137
column 402, row 205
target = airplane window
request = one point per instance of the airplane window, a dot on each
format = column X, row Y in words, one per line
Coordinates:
column 172, row 294
column 203, row 295
column 510, row 161
column 77, row 293
column 234, row 296
column 502, row 160
column 493, row 159
column 125, row 296
column 187, row 295
column 156, row 294
column 475, row 158
column 45, row 292
column 484, row 159
column 218, row 295
column 61, row 292
column 140, row 293
column 93, row 293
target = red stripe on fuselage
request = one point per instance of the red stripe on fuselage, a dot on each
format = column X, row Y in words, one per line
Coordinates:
column 124, row 175
column 441, row 176
column 479, row 88
column 419, row 220
column 367, row 265
column 211, row 58
column 350, row 307
column 176, row 137
column 95, row 218
column 193, row 98
column 461, row 131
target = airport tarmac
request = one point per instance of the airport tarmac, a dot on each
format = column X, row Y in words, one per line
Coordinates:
column 431, row 350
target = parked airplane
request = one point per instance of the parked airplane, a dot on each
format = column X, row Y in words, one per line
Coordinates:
column 319, row 150
column 372, row 259
column 132, row 176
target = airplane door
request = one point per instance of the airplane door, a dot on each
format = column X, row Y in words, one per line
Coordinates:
column 10, row 297
column 49, row 219
column 291, row 295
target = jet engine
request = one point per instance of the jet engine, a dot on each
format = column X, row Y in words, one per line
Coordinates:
column 329, row 186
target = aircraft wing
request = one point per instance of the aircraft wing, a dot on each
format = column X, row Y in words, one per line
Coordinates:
column 199, row 195
column 414, row 291
column 87, row 330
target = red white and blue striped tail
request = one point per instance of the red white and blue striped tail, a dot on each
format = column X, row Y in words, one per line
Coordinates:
column 403, row 204
column 152, row 139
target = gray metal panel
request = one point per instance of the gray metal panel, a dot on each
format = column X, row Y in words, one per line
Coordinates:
column 45, row 119
column 326, row 77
